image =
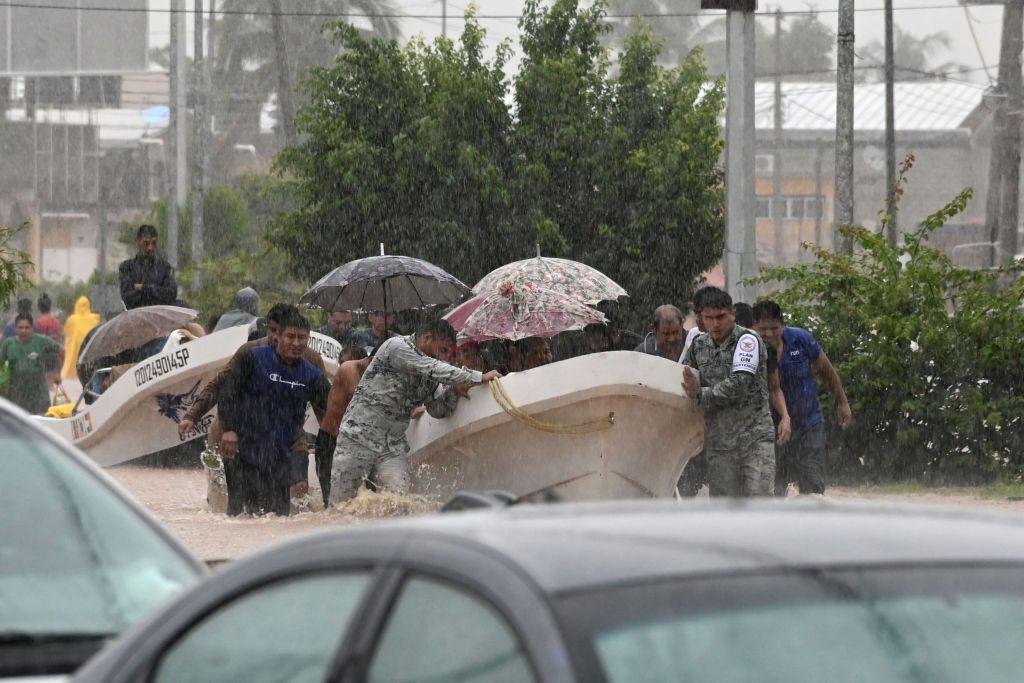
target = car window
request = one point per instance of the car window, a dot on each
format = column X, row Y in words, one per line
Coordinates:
column 889, row 626
column 287, row 632
column 438, row 633
column 74, row 558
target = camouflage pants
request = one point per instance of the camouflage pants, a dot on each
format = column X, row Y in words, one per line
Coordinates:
column 742, row 472
column 354, row 463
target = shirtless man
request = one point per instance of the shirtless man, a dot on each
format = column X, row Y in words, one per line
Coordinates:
column 346, row 378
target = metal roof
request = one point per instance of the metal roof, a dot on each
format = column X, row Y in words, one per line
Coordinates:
column 919, row 105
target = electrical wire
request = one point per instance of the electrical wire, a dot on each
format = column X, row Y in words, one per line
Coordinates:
column 398, row 15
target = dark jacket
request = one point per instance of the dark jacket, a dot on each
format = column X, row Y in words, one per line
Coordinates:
column 156, row 277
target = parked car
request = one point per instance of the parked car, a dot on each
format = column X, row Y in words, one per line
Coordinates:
column 79, row 560
column 606, row 592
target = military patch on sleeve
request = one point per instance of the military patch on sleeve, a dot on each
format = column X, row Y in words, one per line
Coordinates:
column 747, row 355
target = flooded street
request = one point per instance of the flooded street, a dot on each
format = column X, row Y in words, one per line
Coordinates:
column 177, row 498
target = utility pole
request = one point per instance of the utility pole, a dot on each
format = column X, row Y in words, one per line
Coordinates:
column 176, row 131
column 284, row 86
column 890, row 130
column 844, row 124
column 778, row 204
column 198, row 141
column 1013, row 40
column 740, row 259
column 444, row 18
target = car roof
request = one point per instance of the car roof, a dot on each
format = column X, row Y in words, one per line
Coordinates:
column 566, row 547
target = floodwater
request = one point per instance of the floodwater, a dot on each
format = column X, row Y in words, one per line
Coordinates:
column 177, row 498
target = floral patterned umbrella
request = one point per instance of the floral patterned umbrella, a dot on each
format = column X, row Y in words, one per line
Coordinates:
column 516, row 310
column 562, row 276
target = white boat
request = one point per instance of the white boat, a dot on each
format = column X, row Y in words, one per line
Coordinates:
column 656, row 431
column 139, row 413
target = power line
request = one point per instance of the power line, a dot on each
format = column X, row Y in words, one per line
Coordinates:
column 397, row 15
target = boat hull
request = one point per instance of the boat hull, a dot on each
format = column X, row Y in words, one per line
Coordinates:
column 140, row 412
column 655, row 433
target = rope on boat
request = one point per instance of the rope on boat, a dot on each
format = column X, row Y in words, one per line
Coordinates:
column 502, row 398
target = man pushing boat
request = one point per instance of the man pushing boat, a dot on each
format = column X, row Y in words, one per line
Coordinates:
column 406, row 372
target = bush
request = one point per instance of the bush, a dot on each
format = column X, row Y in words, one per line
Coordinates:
column 930, row 355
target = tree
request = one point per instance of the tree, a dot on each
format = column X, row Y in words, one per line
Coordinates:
column 246, row 68
column 622, row 173
column 13, row 262
column 673, row 25
column 929, row 352
column 404, row 146
column 807, row 45
column 912, row 56
column 417, row 147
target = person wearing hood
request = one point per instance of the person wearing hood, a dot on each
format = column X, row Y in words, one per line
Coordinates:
column 146, row 279
column 247, row 306
column 78, row 325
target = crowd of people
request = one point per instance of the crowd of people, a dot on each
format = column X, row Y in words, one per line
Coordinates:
column 753, row 377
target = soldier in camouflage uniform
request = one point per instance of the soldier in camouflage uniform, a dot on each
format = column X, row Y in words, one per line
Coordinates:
column 405, row 373
column 739, row 433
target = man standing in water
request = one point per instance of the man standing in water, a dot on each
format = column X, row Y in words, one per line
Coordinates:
column 732, row 392
column 146, row 279
column 353, row 363
column 405, row 372
column 263, row 405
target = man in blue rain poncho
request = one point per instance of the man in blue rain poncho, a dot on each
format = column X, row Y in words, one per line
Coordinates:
column 405, row 373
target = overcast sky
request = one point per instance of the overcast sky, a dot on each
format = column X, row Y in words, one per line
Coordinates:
column 919, row 17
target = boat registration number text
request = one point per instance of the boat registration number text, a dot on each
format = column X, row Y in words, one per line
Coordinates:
column 158, row 367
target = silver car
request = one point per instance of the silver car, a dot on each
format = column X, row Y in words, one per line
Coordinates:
column 79, row 560
column 623, row 593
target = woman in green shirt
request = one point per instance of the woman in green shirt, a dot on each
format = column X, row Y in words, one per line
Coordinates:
column 28, row 352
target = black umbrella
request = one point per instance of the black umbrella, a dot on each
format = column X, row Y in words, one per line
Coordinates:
column 385, row 283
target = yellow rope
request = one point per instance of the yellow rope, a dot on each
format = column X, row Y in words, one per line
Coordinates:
column 502, row 398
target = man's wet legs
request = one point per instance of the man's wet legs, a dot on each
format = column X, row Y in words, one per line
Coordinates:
column 353, row 463
column 742, row 472
column 325, row 445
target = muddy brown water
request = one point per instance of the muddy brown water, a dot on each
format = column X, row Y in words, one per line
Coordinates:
column 178, row 499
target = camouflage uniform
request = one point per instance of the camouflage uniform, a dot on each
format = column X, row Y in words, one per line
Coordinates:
column 739, row 434
column 371, row 442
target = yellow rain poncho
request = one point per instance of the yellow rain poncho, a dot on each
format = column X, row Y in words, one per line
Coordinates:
column 75, row 329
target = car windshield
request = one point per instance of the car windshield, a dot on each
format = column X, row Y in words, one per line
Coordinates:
column 74, row 559
column 908, row 625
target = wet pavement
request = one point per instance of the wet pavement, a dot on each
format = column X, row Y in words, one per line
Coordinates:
column 177, row 497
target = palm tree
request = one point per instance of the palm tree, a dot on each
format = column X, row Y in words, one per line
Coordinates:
column 912, row 56
column 248, row 59
column 673, row 22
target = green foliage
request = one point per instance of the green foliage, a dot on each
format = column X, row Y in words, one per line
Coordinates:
column 929, row 354
column 417, row 147
column 236, row 252
column 13, row 262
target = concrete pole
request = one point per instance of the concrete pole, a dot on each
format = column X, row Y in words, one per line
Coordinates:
column 844, row 125
column 176, row 133
column 198, row 141
column 778, row 204
column 890, row 129
column 284, row 76
column 444, row 18
column 740, row 258
column 1010, row 210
